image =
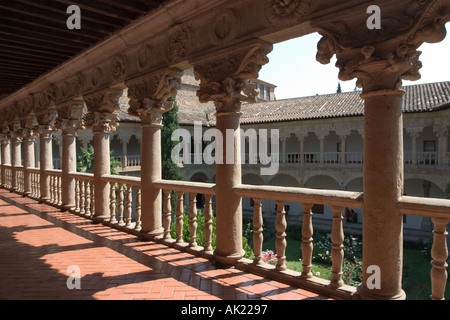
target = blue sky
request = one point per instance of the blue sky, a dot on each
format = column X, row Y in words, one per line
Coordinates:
column 296, row 73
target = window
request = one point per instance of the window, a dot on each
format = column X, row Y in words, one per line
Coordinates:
column 267, row 93
column 261, row 91
column 429, row 146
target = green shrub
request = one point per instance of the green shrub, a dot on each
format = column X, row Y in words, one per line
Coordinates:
column 201, row 233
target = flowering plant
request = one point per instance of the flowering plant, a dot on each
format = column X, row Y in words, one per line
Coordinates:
column 269, row 257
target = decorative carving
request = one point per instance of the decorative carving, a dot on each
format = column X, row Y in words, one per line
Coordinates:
column 286, row 12
column 78, row 83
column 143, row 55
column 380, row 59
column 71, row 116
column 118, row 67
column 226, row 24
column 102, row 121
column 101, row 106
column 374, row 72
column 148, row 95
column 225, row 81
column 177, row 47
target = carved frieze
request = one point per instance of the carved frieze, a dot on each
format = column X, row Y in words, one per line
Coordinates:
column 178, row 43
column 286, row 12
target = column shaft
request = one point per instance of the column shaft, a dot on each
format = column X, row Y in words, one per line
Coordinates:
column 228, row 204
column 68, row 164
column 383, row 183
column 151, row 172
column 46, row 162
column 102, row 165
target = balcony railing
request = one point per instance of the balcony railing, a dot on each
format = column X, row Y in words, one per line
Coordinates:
column 125, row 213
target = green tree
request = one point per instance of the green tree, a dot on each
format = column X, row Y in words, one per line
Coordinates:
column 170, row 170
column 86, row 161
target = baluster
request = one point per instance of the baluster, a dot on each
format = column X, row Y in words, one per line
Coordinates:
column 193, row 219
column 92, row 198
column 112, row 203
column 52, row 189
column 129, row 204
column 87, row 199
column 167, row 214
column 337, row 248
column 82, row 196
column 179, row 220
column 257, row 231
column 439, row 253
column 307, row 244
column 120, row 198
column 208, row 224
column 59, row 180
column 138, row 210
column 77, row 196
column 280, row 242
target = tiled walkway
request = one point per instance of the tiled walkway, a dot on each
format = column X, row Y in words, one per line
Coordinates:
column 38, row 244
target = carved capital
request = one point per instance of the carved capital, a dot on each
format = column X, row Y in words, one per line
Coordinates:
column 224, row 80
column 106, row 100
column 101, row 106
column 148, row 95
column 381, row 59
column 101, row 122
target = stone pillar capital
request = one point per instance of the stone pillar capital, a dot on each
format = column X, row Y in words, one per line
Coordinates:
column 101, row 106
column 148, row 95
column 380, row 60
column 223, row 78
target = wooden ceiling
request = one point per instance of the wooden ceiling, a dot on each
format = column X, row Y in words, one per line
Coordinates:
column 34, row 37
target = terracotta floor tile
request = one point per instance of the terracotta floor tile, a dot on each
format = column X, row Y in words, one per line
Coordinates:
column 39, row 243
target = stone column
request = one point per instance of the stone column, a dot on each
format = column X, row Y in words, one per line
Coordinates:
column 16, row 153
column 380, row 71
column 442, row 135
column 29, row 134
column 414, row 136
column 103, row 121
column 343, row 137
column 6, row 152
column 283, row 144
column 223, row 80
column 321, row 137
column 148, row 100
column 46, row 122
column 70, row 120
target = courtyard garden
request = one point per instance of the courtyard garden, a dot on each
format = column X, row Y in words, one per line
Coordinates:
column 416, row 259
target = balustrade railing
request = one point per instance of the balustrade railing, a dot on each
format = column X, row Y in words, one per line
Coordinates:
column 125, row 201
column 55, row 187
column 192, row 189
column 338, row 200
column 35, row 188
column 125, row 212
column 84, row 193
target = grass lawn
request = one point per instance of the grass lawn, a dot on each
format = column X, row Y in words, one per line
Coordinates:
column 293, row 254
column 417, row 275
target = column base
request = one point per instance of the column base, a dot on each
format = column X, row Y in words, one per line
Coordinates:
column 225, row 261
column 150, row 235
column 362, row 294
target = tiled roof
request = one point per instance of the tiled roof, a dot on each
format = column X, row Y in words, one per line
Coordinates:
column 418, row 98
